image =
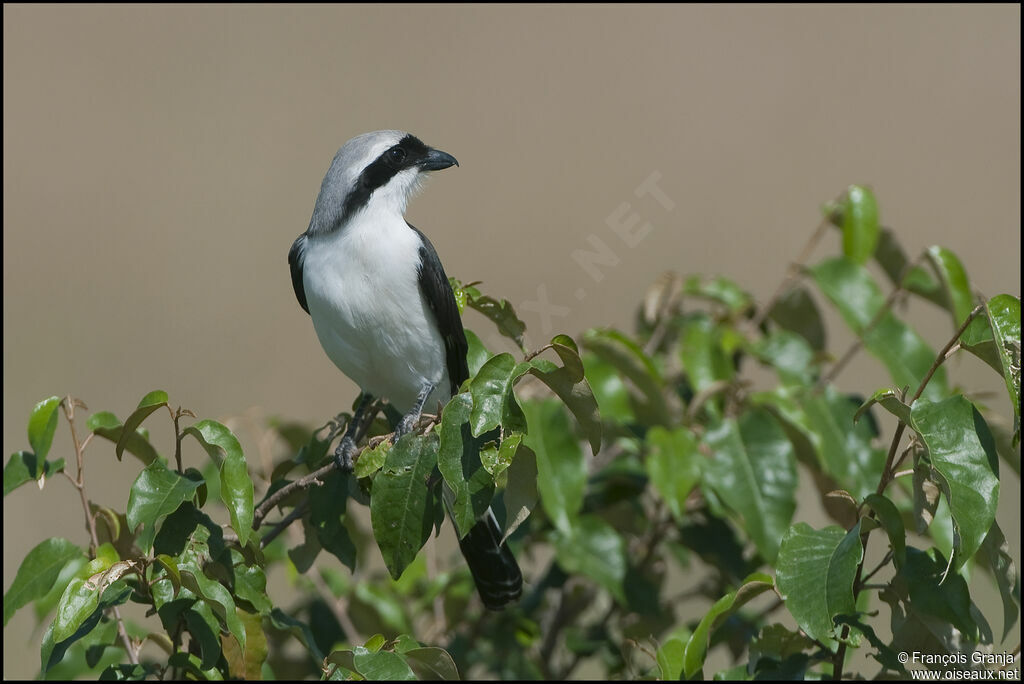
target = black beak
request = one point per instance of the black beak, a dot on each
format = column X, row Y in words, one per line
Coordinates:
column 437, row 160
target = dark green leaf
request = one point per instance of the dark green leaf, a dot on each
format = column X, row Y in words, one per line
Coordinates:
column 38, row 572
column 673, row 466
column 41, row 426
column 327, row 506
column 978, row 340
column 892, row 522
column 796, row 312
column 22, row 468
column 815, row 574
column 859, row 300
column 477, row 353
column 859, row 223
column 893, row 260
column 300, row 630
column 753, row 470
column 561, row 469
column 697, row 646
column 885, row 655
column 934, row 593
column 501, row 314
column 155, row 493
column 962, row 452
column 521, row 489
column 401, row 507
column 790, row 355
column 236, row 487
column 593, row 548
column 149, row 403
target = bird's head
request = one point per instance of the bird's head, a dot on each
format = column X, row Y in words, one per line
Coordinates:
column 382, row 168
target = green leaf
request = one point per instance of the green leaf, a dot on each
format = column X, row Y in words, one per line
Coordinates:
column 859, row 300
column 796, row 312
column 38, row 573
column 892, row 521
column 107, row 426
column 673, row 466
column 371, row 460
column 593, row 548
column 1004, row 316
column 753, row 470
column 431, row 664
column 217, row 597
column 954, row 282
column 632, row 363
column 381, row 665
column 561, row 469
column 815, row 574
column 149, row 403
column 236, row 489
column 670, row 659
column 700, row 349
column 493, row 401
column 962, row 452
column 609, row 390
column 859, row 223
column 885, row 655
column 78, row 612
column 497, row 459
column 401, row 507
column 327, row 506
column 459, row 461
column 569, row 383
column 477, row 353
column 156, row 492
column 520, row 490
column 978, row 340
column 41, row 426
column 696, row 648
column 23, row 467
column 721, row 290
column 845, row 448
column 994, row 555
column 790, row 355
column 890, row 401
column 931, row 593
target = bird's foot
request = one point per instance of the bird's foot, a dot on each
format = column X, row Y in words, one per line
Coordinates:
column 406, row 425
column 344, row 454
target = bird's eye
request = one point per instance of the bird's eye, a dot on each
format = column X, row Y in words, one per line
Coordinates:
column 396, row 155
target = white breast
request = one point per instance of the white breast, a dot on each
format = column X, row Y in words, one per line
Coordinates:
column 363, row 292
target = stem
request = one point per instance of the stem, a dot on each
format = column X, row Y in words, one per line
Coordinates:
column 277, row 529
column 68, row 404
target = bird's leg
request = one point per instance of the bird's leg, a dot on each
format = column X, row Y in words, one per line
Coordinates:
column 347, row 448
column 408, row 421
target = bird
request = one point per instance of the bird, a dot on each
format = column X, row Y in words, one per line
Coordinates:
column 384, row 310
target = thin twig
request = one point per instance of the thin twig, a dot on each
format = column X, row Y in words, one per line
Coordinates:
column 794, row 269
column 68, row 404
column 279, row 527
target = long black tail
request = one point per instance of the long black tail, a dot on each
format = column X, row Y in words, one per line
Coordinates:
column 494, row 568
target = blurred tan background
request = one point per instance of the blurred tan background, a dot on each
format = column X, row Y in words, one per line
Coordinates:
column 159, row 161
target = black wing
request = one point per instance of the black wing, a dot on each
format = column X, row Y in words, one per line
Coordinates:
column 295, row 257
column 441, row 300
